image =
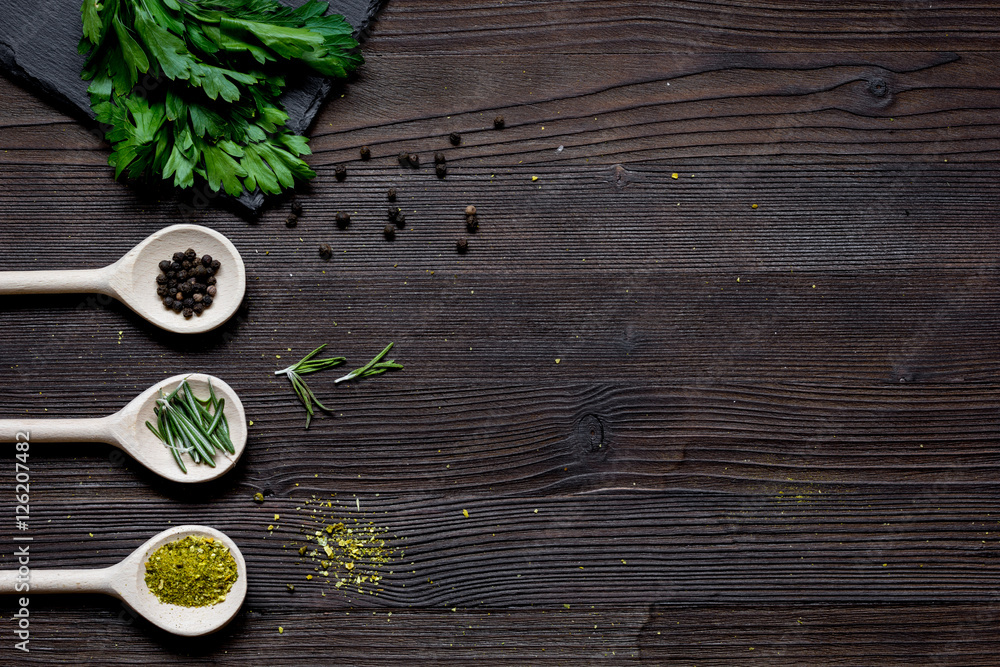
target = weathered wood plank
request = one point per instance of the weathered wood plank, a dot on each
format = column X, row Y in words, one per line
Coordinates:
column 644, row 26
column 484, row 440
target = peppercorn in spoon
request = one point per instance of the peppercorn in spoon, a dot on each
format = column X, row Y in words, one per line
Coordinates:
column 127, row 582
column 127, row 430
column 133, row 278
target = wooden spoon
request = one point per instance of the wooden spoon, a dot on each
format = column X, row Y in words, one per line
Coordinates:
column 132, row 279
column 126, row 429
column 127, row 582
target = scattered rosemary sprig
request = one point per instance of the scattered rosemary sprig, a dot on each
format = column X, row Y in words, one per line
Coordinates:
column 190, row 425
column 374, row 367
column 309, row 365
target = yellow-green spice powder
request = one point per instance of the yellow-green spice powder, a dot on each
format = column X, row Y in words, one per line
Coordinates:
column 191, row 572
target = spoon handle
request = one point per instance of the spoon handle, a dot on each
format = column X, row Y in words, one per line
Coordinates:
column 92, row 429
column 56, row 282
column 58, row 581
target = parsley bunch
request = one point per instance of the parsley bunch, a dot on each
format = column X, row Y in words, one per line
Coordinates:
column 209, row 74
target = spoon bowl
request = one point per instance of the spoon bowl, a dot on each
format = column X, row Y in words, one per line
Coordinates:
column 132, row 279
column 130, row 587
column 133, row 436
column 127, row 582
column 126, row 429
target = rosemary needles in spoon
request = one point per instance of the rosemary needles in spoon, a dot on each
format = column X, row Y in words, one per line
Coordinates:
column 309, row 364
column 190, row 425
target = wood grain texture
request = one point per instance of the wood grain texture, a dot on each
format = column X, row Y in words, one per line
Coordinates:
column 769, row 428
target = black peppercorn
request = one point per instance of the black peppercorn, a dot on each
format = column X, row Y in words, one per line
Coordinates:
column 182, row 275
column 190, row 254
column 462, row 245
column 404, row 159
column 325, row 251
column 366, row 153
column 296, row 208
column 340, row 171
column 186, row 288
column 394, row 212
column 188, row 302
column 414, row 159
column 198, row 297
column 188, row 312
column 441, row 171
column 198, row 308
column 472, row 222
column 455, row 138
column 168, row 301
column 211, row 290
column 178, row 306
column 498, row 123
column 200, row 271
column 162, row 291
column 206, row 261
column 215, row 265
column 207, row 300
column 343, row 219
column 390, row 232
column 392, row 194
column 291, row 221
column 439, row 158
column 175, row 266
column 401, row 221
column 200, row 287
column 185, row 265
column 178, row 257
column 161, row 279
column 165, row 265
column 211, row 280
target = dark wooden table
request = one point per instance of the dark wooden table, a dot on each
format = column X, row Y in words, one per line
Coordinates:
column 720, row 386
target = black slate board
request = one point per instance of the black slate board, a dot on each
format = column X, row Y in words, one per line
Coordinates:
column 38, row 46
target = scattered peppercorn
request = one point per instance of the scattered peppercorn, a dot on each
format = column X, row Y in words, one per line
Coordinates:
column 470, row 210
column 441, row 171
column 343, row 219
column 472, row 222
column 325, row 251
column 498, row 123
column 414, row 159
column 340, row 171
column 366, row 153
column 439, row 158
column 187, row 284
column 462, row 245
column 390, row 232
column 404, row 159
column 394, row 212
column 296, row 208
column 401, row 221
column 392, row 194
column 455, row 138
column 291, row 221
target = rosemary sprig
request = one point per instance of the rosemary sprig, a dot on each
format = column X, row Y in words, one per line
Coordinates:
column 308, row 364
column 374, row 367
column 189, row 425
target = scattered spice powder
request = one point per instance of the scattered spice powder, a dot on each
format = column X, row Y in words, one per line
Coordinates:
column 194, row 571
column 345, row 551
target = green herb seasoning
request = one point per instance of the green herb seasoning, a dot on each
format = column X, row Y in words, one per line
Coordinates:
column 194, row 426
column 191, row 572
